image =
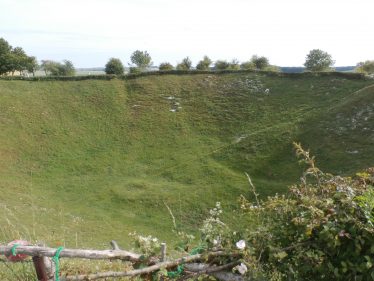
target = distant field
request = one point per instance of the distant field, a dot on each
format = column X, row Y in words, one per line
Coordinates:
column 300, row 69
column 79, row 72
column 85, row 162
column 89, row 72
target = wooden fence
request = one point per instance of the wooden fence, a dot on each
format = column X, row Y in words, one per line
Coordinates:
column 46, row 266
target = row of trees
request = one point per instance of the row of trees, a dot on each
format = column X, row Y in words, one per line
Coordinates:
column 14, row 60
column 316, row 61
column 141, row 60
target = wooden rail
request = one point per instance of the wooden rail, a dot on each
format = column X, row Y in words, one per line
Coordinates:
column 45, row 270
column 71, row 253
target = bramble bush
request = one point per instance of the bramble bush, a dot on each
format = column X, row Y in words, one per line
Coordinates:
column 147, row 245
column 321, row 230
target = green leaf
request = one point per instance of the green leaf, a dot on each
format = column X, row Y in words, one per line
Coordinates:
column 281, row 255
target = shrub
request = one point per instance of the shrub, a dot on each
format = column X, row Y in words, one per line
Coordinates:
column 234, row 65
column 248, row 65
column 165, row 66
column 366, row 67
column 321, row 230
column 318, row 60
column 141, row 59
column 272, row 68
column 260, row 62
column 186, row 64
column 204, row 64
column 221, row 65
column 67, row 69
column 55, row 68
column 135, row 70
column 148, row 245
column 114, row 66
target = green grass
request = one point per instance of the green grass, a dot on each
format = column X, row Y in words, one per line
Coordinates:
column 85, row 162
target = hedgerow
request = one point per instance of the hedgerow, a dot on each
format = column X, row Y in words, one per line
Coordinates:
column 346, row 75
column 61, row 78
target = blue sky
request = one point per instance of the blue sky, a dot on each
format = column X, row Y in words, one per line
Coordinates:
column 89, row 32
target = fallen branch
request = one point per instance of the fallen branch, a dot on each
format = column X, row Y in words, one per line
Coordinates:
column 219, row 272
column 72, row 253
column 146, row 270
column 203, row 268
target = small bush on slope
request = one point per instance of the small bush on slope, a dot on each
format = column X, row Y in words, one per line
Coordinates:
column 322, row 230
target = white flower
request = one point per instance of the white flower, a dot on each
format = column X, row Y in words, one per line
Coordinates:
column 215, row 242
column 242, row 268
column 240, row 244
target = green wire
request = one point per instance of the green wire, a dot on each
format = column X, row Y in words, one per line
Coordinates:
column 180, row 268
column 57, row 262
column 13, row 250
column 197, row 250
column 174, row 274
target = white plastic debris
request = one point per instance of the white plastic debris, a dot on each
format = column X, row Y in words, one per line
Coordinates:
column 240, row 244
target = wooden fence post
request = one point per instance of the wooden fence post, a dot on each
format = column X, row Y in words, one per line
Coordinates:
column 40, row 268
column 114, row 245
column 163, row 252
column 44, row 267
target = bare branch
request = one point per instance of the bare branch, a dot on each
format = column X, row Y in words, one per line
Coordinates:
column 72, row 253
column 146, row 270
column 217, row 271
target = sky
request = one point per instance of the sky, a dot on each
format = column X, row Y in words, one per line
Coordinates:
column 89, row 32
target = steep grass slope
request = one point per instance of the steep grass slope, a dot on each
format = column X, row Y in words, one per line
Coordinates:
column 85, row 162
column 345, row 133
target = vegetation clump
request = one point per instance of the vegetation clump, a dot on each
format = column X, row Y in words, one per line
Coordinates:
column 318, row 60
column 15, row 59
column 114, row 66
column 165, row 66
column 221, row 65
column 366, row 67
column 321, row 230
column 55, row 68
column 142, row 60
column 247, row 65
column 204, row 64
column 260, row 63
column 186, row 64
